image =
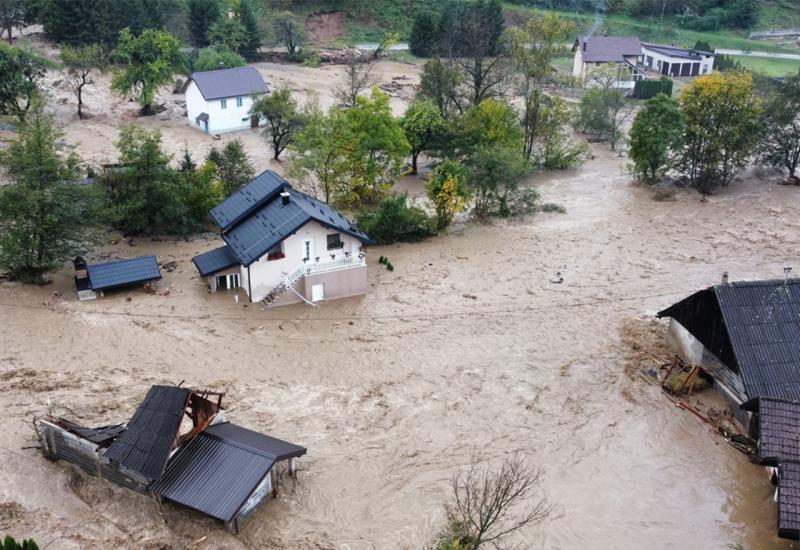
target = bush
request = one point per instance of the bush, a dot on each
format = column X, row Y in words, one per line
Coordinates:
column 216, row 57
column 553, row 207
column 394, row 220
column 645, row 89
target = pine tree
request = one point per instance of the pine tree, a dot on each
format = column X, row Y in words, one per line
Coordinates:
column 202, row 14
column 424, row 38
column 252, row 42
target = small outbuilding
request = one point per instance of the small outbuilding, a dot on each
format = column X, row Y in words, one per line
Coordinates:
column 220, row 101
column 93, row 278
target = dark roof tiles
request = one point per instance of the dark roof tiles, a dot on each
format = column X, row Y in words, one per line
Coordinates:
column 123, row 272
column 246, row 200
column 789, row 499
column 600, row 49
column 215, row 261
column 779, row 431
column 235, row 82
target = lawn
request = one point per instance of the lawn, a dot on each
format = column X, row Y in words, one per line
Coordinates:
column 767, row 66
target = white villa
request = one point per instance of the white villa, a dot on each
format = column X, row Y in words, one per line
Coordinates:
column 283, row 246
column 677, row 62
column 220, row 101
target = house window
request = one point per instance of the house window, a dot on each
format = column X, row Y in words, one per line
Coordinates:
column 335, row 241
column 276, row 253
column 223, row 103
column 228, row 281
column 239, row 101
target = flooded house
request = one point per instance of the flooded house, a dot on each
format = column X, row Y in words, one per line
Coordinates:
column 94, row 279
column 745, row 336
column 283, row 246
column 178, row 447
column 220, row 101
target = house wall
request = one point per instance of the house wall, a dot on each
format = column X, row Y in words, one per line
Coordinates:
column 267, row 274
column 212, row 279
column 706, row 64
column 339, row 284
column 578, row 67
column 219, row 119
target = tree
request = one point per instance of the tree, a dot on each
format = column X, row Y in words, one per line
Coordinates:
column 79, row 63
column 395, row 220
column 490, row 123
column 251, row 45
column 552, row 147
column 152, row 58
column 722, row 127
column 287, row 32
column 424, row 39
column 655, row 137
column 78, row 22
column 440, row 84
column 230, row 32
column 781, row 143
column 232, row 168
column 357, row 78
column 216, row 57
column 422, row 124
column 12, row 15
column 43, row 212
column 10, row 544
column 494, row 175
column 448, row 191
column 202, row 14
column 604, row 108
column 484, row 502
column 533, row 48
column 20, row 72
column 283, row 116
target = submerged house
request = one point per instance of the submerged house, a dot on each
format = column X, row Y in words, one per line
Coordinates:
column 213, row 466
column 283, row 246
column 746, row 337
column 94, row 279
column 220, row 101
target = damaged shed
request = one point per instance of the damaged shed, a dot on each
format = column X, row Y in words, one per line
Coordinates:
column 215, row 467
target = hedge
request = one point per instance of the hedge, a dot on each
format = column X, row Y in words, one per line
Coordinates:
column 645, row 89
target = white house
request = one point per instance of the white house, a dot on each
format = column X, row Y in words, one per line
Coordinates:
column 622, row 52
column 220, row 101
column 283, row 246
column 677, row 62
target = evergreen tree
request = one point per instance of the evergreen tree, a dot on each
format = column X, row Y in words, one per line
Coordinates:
column 231, row 166
column 202, row 14
column 252, row 34
column 141, row 15
column 424, row 39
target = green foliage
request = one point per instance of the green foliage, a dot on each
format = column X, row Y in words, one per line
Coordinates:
column 780, row 145
column 202, row 14
column 12, row 15
column 79, row 22
column 494, row 175
column 283, row 117
column 422, row 124
column 424, row 39
column 43, row 211
column 656, row 136
column 440, row 83
column 21, row 70
column 10, row 544
column 604, row 108
column 232, row 168
column 722, row 127
column 551, row 147
column 287, row 32
column 216, row 56
column 79, row 63
column 492, row 123
column 646, row 89
column 230, row 32
column 395, row 220
column 152, row 58
column 448, row 191
column 252, row 34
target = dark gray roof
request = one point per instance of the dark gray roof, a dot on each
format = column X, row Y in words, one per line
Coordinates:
column 254, row 219
column 789, row 500
column 123, row 272
column 674, row 51
column 761, row 332
column 778, row 431
column 151, row 433
column 243, row 202
column 601, row 49
column 215, row 261
column 217, row 471
column 222, row 83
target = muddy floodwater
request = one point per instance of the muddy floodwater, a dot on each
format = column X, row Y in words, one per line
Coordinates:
column 466, row 349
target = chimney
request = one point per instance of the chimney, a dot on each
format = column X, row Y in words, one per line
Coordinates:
column 221, row 64
column 724, row 277
column 285, row 198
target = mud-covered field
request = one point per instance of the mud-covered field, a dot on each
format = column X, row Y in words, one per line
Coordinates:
column 466, row 349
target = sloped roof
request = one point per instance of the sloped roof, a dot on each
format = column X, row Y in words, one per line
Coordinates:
column 151, row 434
column 223, row 83
column 217, row 471
column 789, row 499
column 778, row 431
column 254, row 219
column 604, row 49
column 674, row 51
column 215, row 261
column 762, row 332
column 123, row 272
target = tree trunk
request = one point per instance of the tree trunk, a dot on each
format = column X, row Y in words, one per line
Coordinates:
column 414, row 163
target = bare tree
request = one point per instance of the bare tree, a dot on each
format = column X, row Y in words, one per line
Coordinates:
column 358, row 77
column 487, row 507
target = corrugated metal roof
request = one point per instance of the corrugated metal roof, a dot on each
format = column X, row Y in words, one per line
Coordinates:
column 246, row 200
column 254, row 441
column 213, row 476
column 215, row 261
column 145, row 445
column 789, row 499
column 123, row 272
column 608, row 48
column 235, row 82
column 779, row 431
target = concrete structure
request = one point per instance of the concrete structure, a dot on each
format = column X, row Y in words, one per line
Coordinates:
column 283, row 246
column 220, row 101
column 676, row 62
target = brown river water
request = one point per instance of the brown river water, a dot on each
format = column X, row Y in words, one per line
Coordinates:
column 466, row 349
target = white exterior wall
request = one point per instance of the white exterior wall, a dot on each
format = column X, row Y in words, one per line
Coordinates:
column 578, row 68
column 267, row 274
column 219, row 119
column 706, row 64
